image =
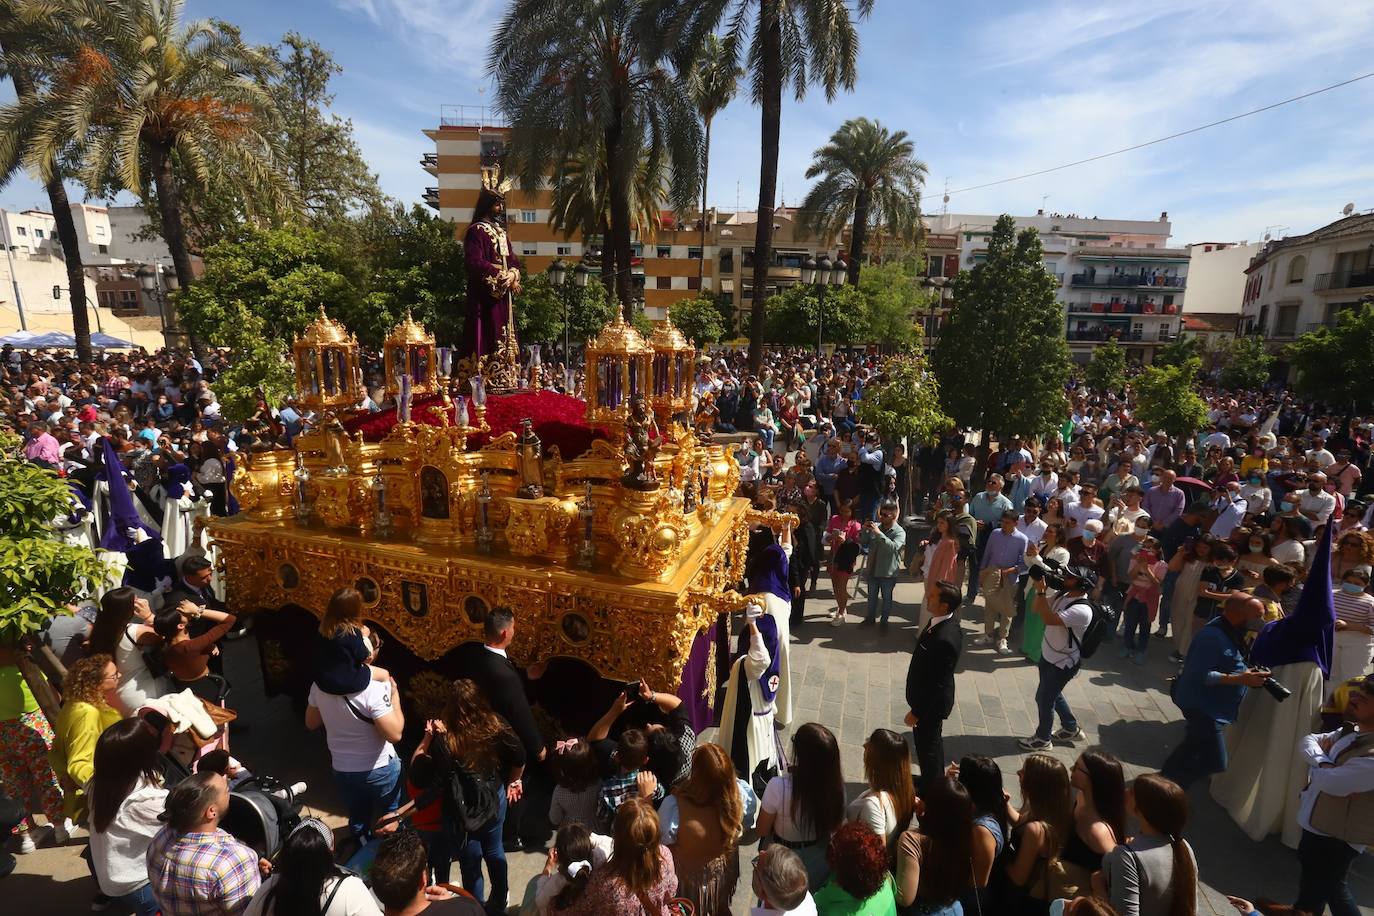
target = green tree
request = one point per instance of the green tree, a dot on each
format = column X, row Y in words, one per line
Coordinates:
column 415, row 265
column 1166, row 398
column 892, row 300
column 869, row 176
column 1333, row 363
column 1001, row 356
column 1178, row 352
column 39, row 574
column 319, row 157
column 793, row 313
column 150, row 102
column 714, row 80
column 796, row 42
column 579, row 75
column 698, row 319
column 1106, row 369
column 1245, row 363
column 905, row 402
column 539, row 311
column 24, row 26
column 259, row 365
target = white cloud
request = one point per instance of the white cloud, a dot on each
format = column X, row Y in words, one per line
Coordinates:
column 449, row 35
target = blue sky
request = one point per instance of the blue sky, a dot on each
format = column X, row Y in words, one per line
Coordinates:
column 988, row 89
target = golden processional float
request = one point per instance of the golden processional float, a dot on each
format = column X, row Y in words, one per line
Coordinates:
column 621, row 555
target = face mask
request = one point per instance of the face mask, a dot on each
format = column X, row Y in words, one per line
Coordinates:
column 1285, row 507
column 1154, row 478
column 1142, row 530
column 1352, row 588
column 1089, row 537
column 1257, row 548
column 1254, row 481
column 1057, row 907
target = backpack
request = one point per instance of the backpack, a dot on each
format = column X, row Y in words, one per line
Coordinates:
column 470, row 801
column 1102, row 623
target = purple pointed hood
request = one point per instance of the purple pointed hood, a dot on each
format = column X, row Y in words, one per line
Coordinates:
column 123, row 515
column 1307, row 634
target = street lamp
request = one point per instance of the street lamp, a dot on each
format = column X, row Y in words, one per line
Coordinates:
column 938, row 285
column 559, row 275
column 821, row 274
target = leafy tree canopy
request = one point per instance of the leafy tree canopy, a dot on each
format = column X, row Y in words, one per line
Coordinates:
column 1333, row 363
column 539, row 311
column 905, row 403
column 1106, row 369
column 792, row 315
column 1001, row 358
column 1167, row 399
column 1245, row 363
column 698, row 319
column 893, row 301
column 1178, row 352
column 415, row 264
column 39, row 574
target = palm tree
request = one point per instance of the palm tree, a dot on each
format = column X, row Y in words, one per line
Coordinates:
column 581, row 203
column 870, row 176
column 23, row 24
column 574, row 75
column 714, row 80
column 149, row 102
column 801, row 42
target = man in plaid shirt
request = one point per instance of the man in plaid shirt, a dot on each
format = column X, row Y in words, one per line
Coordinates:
column 195, row 868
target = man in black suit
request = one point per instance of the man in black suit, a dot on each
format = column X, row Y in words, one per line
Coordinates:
column 930, row 679
column 194, row 586
column 500, row 682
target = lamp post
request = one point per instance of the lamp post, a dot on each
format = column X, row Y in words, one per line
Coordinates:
column 559, row 275
column 822, row 274
column 157, row 285
column 938, row 285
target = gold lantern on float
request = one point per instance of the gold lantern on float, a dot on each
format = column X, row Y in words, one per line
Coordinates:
column 327, row 371
column 409, row 350
column 618, row 363
column 671, row 375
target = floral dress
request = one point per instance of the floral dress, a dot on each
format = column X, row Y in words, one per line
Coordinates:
column 25, row 739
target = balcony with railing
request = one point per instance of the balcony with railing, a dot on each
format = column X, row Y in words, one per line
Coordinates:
column 1120, row 335
column 431, row 197
column 430, row 163
column 1130, row 280
column 1345, row 279
column 1122, row 308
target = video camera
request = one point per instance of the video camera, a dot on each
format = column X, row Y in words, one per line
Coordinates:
column 1052, row 572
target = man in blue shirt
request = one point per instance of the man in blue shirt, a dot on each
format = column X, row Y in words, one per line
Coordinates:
column 828, row 470
column 1004, row 558
column 1209, row 690
column 986, row 508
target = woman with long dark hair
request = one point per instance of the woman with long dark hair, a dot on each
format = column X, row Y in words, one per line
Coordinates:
column 306, row 882
column 804, row 806
column 123, row 628
column 935, row 860
column 126, row 797
column 1041, row 827
column 480, row 741
column 639, row 879
column 1155, row 874
column 1099, row 814
column 991, row 826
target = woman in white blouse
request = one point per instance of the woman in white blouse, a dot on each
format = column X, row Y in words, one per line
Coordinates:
column 125, row 796
column 887, row 804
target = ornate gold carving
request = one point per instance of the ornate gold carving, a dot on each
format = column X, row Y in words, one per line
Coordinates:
column 650, row 532
column 539, row 527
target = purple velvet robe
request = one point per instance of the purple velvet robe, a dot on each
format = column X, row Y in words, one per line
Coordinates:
column 488, row 305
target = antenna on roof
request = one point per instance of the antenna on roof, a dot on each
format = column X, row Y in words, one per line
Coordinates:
column 944, row 206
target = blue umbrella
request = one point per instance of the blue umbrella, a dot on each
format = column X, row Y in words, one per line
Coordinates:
column 48, row 341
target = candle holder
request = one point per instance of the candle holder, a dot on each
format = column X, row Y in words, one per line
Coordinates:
column 689, row 491
column 381, row 515
column 302, row 475
column 484, row 532
column 586, row 509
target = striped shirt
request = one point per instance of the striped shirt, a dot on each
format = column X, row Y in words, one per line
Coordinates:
column 1356, row 609
column 201, row 874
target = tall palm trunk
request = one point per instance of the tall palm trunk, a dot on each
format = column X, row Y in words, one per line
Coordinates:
column 607, row 255
column 771, row 80
column 173, row 233
column 705, row 170
column 66, row 236
column 618, row 173
column 858, row 239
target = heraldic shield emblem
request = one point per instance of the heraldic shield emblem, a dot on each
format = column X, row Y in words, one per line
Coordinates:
column 415, row 598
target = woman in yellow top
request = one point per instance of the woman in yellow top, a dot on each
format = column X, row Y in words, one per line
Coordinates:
column 86, row 712
column 25, row 738
column 1255, row 460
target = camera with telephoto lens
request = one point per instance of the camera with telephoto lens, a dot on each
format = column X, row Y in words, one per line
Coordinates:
column 1052, row 572
column 1274, row 688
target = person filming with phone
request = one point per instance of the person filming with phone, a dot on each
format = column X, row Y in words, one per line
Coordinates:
column 1214, row 680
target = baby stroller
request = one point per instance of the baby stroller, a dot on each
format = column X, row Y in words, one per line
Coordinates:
column 262, row 813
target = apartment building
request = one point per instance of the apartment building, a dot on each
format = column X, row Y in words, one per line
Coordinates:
column 34, row 288
column 1118, row 279
column 1301, row 283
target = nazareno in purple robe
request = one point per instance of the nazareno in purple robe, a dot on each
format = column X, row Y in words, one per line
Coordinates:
column 488, row 307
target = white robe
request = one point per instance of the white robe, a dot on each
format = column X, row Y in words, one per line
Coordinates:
column 178, row 529
column 759, row 733
column 781, row 611
column 1266, row 768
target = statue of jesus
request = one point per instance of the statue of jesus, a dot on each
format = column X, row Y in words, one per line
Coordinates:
column 493, row 275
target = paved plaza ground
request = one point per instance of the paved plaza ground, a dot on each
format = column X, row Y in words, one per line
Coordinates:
column 852, row 680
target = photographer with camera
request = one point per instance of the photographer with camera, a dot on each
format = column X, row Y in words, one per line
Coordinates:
column 1209, row 690
column 1061, row 655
